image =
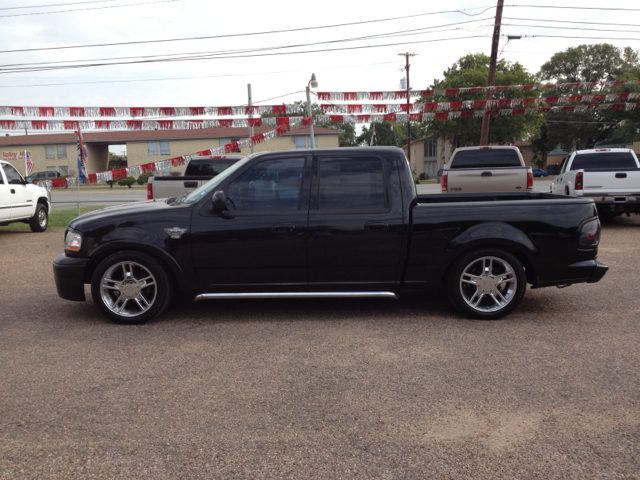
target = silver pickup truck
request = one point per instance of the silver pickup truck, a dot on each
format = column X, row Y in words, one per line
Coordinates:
column 486, row 169
column 197, row 171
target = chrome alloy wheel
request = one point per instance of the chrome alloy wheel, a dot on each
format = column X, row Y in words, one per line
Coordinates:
column 488, row 284
column 42, row 217
column 128, row 289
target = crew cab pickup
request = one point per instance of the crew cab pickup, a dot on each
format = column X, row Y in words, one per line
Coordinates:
column 197, row 171
column 486, row 169
column 341, row 222
column 610, row 176
column 21, row 201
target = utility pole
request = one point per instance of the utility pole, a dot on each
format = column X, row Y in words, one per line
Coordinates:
column 250, row 113
column 484, row 135
column 406, row 67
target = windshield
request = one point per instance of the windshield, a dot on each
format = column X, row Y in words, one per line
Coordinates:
column 212, row 184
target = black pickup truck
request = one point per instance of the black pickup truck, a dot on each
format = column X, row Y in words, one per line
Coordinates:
column 327, row 223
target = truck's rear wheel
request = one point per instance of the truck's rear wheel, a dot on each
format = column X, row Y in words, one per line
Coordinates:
column 487, row 283
column 131, row 287
column 40, row 219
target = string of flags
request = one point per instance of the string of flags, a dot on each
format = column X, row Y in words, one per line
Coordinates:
column 402, row 94
column 121, row 173
column 442, row 112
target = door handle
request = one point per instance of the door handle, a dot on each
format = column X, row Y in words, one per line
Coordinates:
column 376, row 226
column 13, row 191
column 486, row 174
column 283, row 228
column 191, row 184
column 621, row 175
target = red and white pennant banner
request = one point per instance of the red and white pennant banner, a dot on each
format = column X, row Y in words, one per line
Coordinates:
column 145, row 124
column 286, row 122
column 147, row 112
column 120, row 173
column 474, row 104
column 402, row 94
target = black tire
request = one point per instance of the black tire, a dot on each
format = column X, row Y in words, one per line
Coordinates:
column 501, row 288
column 40, row 220
column 131, row 287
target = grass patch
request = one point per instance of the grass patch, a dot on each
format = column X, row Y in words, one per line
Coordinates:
column 57, row 218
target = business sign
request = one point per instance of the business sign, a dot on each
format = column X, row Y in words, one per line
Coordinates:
column 13, row 156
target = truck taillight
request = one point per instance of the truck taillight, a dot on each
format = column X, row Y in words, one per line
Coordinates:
column 590, row 234
column 578, row 185
column 529, row 180
column 149, row 191
column 444, row 183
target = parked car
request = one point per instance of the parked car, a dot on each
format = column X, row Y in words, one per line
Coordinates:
column 344, row 222
column 197, row 171
column 20, row 201
column 610, row 176
column 39, row 176
column 486, row 169
column 538, row 172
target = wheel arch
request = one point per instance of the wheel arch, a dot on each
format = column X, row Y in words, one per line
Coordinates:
column 497, row 235
column 173, row 269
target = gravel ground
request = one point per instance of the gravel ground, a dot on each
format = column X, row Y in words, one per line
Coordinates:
column 321, row 388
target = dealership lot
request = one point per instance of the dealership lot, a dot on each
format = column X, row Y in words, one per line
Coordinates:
column 321, row 388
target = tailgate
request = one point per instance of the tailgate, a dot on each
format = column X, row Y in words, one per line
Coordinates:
column 512, row 179
column 612, row 182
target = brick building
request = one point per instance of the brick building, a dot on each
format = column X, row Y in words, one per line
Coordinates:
column 57, row 151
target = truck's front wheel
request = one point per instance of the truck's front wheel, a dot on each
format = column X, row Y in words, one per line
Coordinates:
column 131, row 287
column 40, row 219
column 487, row 283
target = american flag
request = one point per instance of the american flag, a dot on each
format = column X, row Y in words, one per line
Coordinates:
column 27, row 156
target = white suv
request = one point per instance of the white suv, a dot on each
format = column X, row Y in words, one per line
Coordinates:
column 21, row 201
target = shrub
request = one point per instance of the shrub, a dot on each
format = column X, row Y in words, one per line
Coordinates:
column 143, row 178
column 127, row 181
column 423, row 176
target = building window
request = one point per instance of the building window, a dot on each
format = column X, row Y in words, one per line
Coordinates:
column 61, row 150
column 63, row 169
column 300, row 143
column 223, row 141
column 164, row 148
column 430, row 149
column 152, row 148
column 49, row 152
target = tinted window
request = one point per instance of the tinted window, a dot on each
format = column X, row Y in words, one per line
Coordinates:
column 13, row 177
column 351, row 183
column 208, row 168
column 614, row 160
column 164, row 148
column 62, row 151
column 49, row 151
column 269, row 185
column 152, row 148
column 495, row 157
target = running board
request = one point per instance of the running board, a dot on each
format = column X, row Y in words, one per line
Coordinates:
column 229, row 296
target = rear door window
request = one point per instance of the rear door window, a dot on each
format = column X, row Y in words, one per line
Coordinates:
column 614, row 160
column 351, row 183
column 486, row 158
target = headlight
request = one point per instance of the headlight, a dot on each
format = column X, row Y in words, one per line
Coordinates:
column 73, row 242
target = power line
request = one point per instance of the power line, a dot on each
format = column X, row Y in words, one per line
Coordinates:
column 268, row 32
column 192, row 77
column 57, row 4
column 554, row 27
column 578, row 8
column 568, row 21
column 65, row 67
column 83, row 9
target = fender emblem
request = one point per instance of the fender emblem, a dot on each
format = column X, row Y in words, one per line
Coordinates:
column 175, row 232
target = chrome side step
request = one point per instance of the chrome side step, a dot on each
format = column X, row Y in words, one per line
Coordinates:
column 229, row 296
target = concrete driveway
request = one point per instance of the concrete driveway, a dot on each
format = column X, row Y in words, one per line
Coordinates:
column 321, row 389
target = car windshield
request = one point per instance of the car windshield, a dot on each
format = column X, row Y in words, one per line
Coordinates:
column 212, row 184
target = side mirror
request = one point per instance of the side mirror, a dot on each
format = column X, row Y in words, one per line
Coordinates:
column 439, row 174
column 219, row 201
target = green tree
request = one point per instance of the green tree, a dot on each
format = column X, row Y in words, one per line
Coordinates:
column 470, row 71
column 590, row 63
column 390, row 134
